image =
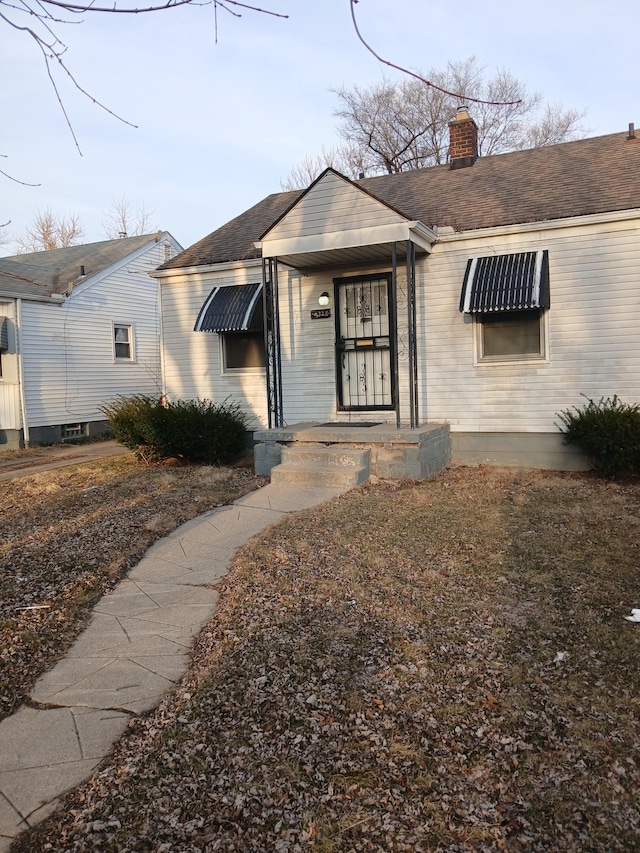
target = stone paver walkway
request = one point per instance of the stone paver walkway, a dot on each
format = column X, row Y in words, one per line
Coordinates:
column 135, row 648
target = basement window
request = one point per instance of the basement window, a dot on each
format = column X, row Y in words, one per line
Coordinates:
column 71, row 431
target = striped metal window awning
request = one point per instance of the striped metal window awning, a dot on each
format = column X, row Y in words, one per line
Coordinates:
column 506, row 283
column 4, row 334
column 231, row 308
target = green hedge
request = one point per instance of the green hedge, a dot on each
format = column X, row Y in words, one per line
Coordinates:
column 193, row 430
column 608, row 432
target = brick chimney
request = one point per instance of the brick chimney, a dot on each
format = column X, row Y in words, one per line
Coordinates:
column 463, row 140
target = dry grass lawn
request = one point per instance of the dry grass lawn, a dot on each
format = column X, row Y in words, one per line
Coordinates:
column 437, row 666
column 68, row 535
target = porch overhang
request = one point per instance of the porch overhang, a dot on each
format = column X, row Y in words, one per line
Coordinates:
column 348, row 246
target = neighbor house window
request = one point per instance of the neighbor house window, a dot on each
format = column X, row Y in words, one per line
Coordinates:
column 508, row 296
column 4, row 339
column 71, row 431
column 123, row 342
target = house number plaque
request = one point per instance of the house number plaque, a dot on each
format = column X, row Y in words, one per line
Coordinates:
column 321, row 314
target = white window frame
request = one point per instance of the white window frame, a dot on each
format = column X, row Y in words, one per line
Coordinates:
column 235, row 371
column 120, row 359
column 542, row 357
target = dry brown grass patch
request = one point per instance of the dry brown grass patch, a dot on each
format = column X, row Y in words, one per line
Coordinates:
column 411, row 667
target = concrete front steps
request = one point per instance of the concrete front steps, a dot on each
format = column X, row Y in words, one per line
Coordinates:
column 320, row 465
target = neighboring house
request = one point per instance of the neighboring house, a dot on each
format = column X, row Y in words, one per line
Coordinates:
column 488, row 294
column 78, row 327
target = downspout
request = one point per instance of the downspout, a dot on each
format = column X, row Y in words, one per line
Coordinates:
column 23, row 401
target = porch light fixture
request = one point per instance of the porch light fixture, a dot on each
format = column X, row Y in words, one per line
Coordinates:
column 323, row 299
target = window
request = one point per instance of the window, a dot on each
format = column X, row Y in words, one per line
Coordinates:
column 508, row 295
column 71, row 431
column 236, row 313
column 4, row 339
column 510, row 335
column 243, row 350
column 123, row 342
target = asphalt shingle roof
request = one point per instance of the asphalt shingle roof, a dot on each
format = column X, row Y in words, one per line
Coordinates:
column 578, row 178
column 45, row 273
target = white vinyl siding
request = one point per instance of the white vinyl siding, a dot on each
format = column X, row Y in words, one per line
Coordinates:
column 193, row 361
column 9, row 388
column 592, row 332
column 333, row 205
column 69, row 365
column 591, row 335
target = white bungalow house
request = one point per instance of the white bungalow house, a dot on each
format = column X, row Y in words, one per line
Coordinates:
column 78, row 327
column 442, row 314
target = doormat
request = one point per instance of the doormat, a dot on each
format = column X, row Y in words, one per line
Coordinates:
column 360, row 424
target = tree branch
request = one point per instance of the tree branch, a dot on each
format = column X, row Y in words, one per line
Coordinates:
column 417, row 76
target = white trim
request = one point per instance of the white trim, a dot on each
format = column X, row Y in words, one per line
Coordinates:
column 159, row 239
column 326, row 241
column 207, row 268
column 205, row 308
column 131, row 358
column 537, row 278
column 235, row 371
column 502, row 361
column 56, row 298
column 543, row 226
column 469, row 286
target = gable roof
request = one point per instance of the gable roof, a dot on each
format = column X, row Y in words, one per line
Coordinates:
column 588, row 176
column 51, row 272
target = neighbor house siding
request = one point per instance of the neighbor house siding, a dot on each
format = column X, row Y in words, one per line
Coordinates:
column 192, row 363
column 9, row 386
column 593, row 328
column 69, row 365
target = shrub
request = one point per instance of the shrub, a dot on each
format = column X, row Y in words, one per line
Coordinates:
column 194, row 430
column 608, row 432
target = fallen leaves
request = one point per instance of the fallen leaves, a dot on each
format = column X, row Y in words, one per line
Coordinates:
column 350, row 696
column 68, row 535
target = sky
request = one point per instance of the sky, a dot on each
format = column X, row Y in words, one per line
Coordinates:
column 222, row 121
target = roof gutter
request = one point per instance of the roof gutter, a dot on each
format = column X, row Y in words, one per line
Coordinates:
column 55, row 297
column 205, row 268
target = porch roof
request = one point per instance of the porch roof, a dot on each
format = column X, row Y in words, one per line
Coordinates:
column 335, row 222
column 352, row 246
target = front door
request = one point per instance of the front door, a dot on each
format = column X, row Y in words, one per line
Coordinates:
column 364, row 349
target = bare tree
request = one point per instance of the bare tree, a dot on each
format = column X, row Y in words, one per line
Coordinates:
column 126, row 220
column 50, row 231
column 349, row 160
column 404, row 124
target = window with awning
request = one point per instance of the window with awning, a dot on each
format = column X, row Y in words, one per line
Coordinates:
column 231, row 308
column 518, row 282
column 507, row 295
column 236, row 313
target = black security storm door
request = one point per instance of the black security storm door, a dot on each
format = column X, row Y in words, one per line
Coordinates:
column 364, row 349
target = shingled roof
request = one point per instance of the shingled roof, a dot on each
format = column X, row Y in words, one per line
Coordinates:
column 588, row 176
column 52, row 271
